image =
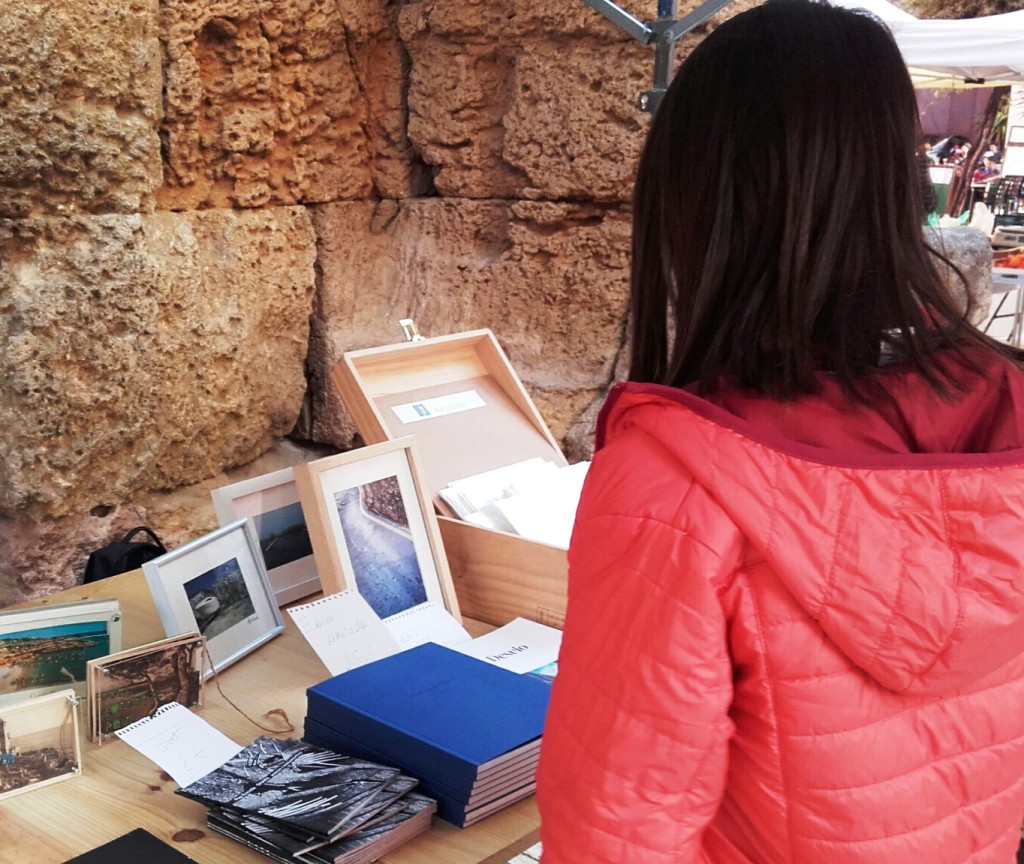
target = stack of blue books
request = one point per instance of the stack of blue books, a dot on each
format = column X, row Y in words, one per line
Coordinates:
column 469, row 730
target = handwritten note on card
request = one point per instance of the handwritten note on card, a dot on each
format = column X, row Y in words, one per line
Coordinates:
column 180, row 742
column 344, row 631
column 428, row 622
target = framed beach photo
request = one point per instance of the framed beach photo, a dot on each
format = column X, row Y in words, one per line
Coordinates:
column 271, row 504
column 47, row 648
column 38, row 742
column 217, row 585
column 374, row 530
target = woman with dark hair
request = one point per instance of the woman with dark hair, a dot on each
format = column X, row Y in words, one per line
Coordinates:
column 795, row 629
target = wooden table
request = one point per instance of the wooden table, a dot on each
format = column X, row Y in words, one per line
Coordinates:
column 119, row 789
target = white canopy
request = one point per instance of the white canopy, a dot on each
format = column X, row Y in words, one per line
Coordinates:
column 951, row 53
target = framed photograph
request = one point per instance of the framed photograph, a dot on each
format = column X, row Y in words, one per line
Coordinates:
column 38, row 742
column 132, row 684
column 47, row 648
column 271, row 504
column 217, row 585
column 373, row 528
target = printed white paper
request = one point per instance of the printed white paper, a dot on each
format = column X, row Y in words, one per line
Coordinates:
column 439, row 406
column 547, row 514
column 520, row 646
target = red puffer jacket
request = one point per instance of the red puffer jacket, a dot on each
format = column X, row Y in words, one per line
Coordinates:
column 795, row 631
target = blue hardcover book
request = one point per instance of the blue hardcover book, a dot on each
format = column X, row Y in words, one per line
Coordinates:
column 456, row 803
column 434, row 713
column 521, row 761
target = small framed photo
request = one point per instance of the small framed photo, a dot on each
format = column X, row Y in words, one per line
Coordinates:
column 271, row 504
column 47, row 648
column 374, row 530
column 132, row 684
column 38, row 742
column 217, row 585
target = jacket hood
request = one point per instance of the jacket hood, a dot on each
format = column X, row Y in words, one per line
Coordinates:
column 910, row 561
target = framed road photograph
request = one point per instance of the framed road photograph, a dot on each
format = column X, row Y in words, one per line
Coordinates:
column 373, row 528
column 271, row 503
column 48, row 648
column 217, row 585
column 38, row 742
column 132, row 684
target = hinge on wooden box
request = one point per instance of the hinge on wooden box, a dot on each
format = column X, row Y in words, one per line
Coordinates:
column 412, row 334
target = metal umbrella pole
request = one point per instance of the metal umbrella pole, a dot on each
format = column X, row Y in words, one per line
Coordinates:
column 663, row 32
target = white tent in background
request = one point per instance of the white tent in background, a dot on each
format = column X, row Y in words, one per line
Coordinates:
column 954, row 53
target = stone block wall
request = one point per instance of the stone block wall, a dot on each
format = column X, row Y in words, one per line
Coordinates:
column 203, row 205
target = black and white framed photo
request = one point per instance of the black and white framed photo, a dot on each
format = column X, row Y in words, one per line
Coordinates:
column 271, row 504
column 217, row 585
column 374, row 530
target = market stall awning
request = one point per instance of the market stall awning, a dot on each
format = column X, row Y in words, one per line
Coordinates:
column 954, row 52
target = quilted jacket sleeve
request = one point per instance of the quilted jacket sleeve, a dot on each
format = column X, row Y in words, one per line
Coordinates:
column 635, row 747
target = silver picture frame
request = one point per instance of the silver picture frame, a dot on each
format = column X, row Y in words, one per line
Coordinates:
column 217, row 585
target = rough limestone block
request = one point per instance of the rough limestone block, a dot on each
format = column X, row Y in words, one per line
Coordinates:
column 38, row 558
column 382, row 67
column 146, row 352
column 275, row 102
column 529, row 99
column 80, row 86
column 458, row 98
column 549, row 279
column 577, row 134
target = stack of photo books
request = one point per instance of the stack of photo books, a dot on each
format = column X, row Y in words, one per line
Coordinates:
column 296, row 802
column 470, row 730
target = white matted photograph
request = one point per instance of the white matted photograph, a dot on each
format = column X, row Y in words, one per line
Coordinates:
column 374, row 529
column 217, row 585
column 271, row 503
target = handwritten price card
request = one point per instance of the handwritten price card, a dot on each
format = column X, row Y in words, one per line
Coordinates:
column 180, row 742
column 344, row 631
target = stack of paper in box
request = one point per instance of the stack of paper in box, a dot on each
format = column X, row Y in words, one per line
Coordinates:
column 469, row 730
column 535, row 498
column 296, row 802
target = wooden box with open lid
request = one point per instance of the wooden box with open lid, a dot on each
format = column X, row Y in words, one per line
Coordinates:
column 485, row 419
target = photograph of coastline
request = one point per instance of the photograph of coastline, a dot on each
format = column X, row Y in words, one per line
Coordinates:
column 49, row 657
column 380, row 546
column 283, row 536
column 271, row 504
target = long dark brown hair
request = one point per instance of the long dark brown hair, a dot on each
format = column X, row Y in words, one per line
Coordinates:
column 777, row 213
